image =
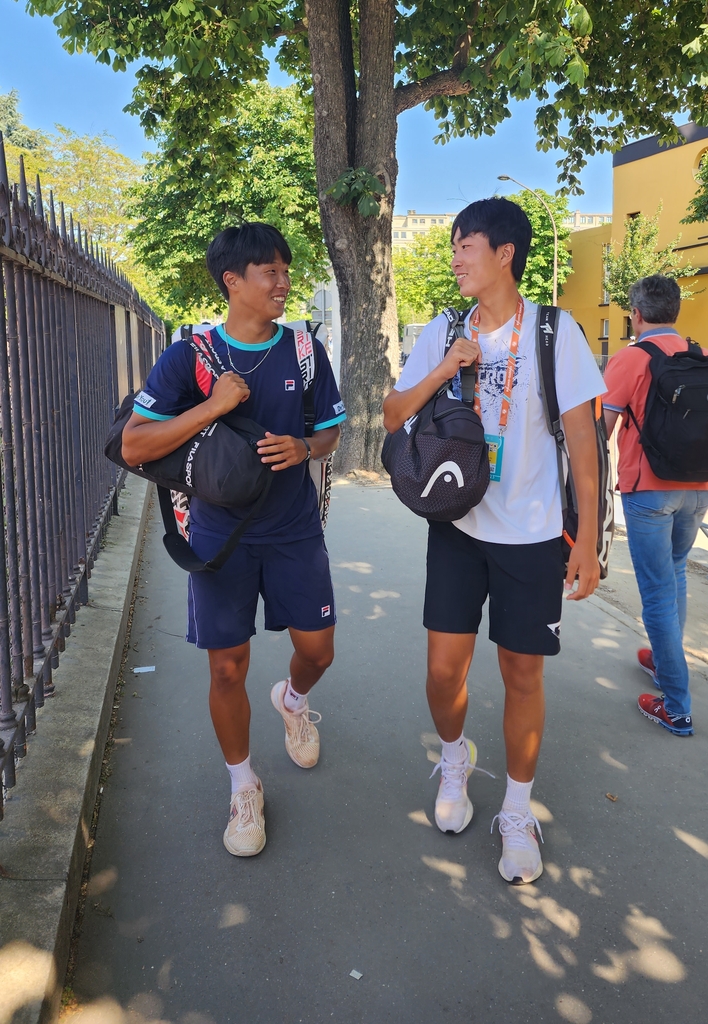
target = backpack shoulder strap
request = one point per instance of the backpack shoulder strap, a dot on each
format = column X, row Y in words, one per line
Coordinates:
column 207, row 363
column 546, row 329
column 456, row 329
column 306, row 353
column 650, row 348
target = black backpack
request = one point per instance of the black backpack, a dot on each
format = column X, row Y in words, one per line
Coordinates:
column 438, row 460
column 674, row 435
column 545, row 353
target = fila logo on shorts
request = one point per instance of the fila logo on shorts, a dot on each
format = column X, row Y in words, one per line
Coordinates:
column 555, row 628
column 289, row 385
column 326, row 610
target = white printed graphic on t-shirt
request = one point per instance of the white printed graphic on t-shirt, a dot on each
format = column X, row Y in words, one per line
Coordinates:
column 524, row 507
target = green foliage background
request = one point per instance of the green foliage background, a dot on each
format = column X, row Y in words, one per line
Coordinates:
column 639, row 257
column 256, row 165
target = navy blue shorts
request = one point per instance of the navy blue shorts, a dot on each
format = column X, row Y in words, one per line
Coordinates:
column 292, row 578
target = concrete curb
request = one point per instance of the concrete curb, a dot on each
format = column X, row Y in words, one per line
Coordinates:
column 43, row 838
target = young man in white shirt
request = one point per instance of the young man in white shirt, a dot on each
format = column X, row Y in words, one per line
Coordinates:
column 508, row 548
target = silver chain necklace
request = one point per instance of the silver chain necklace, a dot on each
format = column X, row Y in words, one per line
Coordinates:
column 244, row 373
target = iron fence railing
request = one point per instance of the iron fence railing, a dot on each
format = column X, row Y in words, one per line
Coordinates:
column 75, row 338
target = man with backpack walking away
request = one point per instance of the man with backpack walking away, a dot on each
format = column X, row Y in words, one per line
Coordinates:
column 282, row 554
column 508, row 548
column 658, row 389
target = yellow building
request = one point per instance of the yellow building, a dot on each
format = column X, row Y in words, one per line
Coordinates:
column 644, row 177
column 406, row 227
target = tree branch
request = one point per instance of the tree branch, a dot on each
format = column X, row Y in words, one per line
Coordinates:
column 298, row 29
column 443, row 83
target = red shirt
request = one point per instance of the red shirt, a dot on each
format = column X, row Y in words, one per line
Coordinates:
column 627, row 379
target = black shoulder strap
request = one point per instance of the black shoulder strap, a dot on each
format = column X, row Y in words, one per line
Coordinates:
column 178, row 548
column 308, row 394
column 546, row 356
column 650, row 348
column 456, row 329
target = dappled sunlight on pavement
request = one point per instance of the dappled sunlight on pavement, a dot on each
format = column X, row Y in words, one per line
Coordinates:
column 355, row 876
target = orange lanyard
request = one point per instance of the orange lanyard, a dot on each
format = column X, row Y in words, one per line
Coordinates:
column 510, row 365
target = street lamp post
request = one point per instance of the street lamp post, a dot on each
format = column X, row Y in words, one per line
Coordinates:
column 507, row 177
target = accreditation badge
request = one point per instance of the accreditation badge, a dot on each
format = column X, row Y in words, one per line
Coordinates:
column 495, row 444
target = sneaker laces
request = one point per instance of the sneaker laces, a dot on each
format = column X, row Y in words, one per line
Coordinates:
column 301, row 722
column 245, row 808
column 513, row 826
column 456, row 774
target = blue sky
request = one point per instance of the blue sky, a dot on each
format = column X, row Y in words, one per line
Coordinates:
column 73, row 90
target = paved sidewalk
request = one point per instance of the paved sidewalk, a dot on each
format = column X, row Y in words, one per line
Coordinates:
column 354, row 877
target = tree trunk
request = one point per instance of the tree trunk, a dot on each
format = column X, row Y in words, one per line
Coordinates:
column 358, row 131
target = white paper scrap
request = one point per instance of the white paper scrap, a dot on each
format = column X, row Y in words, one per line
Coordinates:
column 144, row 668
column 356, row 975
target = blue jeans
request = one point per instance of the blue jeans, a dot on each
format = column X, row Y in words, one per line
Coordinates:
column 661, row 530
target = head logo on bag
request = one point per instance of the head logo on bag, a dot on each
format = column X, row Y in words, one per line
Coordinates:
column 449, row 469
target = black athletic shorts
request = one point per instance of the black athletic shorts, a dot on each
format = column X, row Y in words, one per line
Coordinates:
column 524, row 583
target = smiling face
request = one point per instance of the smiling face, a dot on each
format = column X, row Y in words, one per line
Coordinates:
column 479, row 269
column 263, row 289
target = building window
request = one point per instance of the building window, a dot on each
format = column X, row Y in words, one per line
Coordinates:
column 403, row 234
column 631, row 216
column 415, row 220
column 395, row 234
column 605, row 328
column 627, row 327
column 422, row 220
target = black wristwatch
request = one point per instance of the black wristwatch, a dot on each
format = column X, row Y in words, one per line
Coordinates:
column 307, row 445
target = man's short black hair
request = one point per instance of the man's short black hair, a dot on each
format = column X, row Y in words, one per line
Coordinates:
column 500, row 221
column 234, row 248
column 657, row 298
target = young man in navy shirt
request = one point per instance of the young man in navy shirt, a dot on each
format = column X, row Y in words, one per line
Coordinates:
column 282, row 554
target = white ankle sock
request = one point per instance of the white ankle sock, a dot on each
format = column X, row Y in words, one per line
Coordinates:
column 293, row 700
column 241, row 774
column 518, row 796
column 455, row 752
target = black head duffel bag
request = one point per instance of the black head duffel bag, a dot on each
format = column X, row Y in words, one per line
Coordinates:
column 438, row 460
column 220, row 465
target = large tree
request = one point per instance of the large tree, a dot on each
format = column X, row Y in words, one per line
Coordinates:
column 601, row 73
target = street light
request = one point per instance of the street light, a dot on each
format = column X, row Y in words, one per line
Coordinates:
column 507, row 177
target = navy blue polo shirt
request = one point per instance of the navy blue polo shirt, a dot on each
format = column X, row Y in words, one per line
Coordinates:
column 272, row 372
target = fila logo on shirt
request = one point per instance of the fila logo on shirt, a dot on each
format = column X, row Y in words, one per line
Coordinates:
column 326, row 610
column 289, row 385
column 446, row 471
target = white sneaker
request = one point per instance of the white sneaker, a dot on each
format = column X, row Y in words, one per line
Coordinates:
column 245, row 833
column 453, row 808
column 521, row 856
column 302, row 741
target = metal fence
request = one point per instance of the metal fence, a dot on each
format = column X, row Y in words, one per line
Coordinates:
column 75, row 338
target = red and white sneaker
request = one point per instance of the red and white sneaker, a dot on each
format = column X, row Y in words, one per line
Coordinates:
column 646, row 662
column 653, row 708
column 521, row 856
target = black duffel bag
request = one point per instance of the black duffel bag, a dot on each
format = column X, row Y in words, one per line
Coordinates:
column 220, row 465
column 438, row 460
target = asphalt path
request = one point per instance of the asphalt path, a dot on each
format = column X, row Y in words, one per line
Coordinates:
column 354, row 877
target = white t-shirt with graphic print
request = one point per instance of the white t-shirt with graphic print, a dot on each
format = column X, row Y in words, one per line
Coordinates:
column 524, row 507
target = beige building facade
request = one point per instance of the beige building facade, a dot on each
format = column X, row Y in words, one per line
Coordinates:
column 406, row 227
